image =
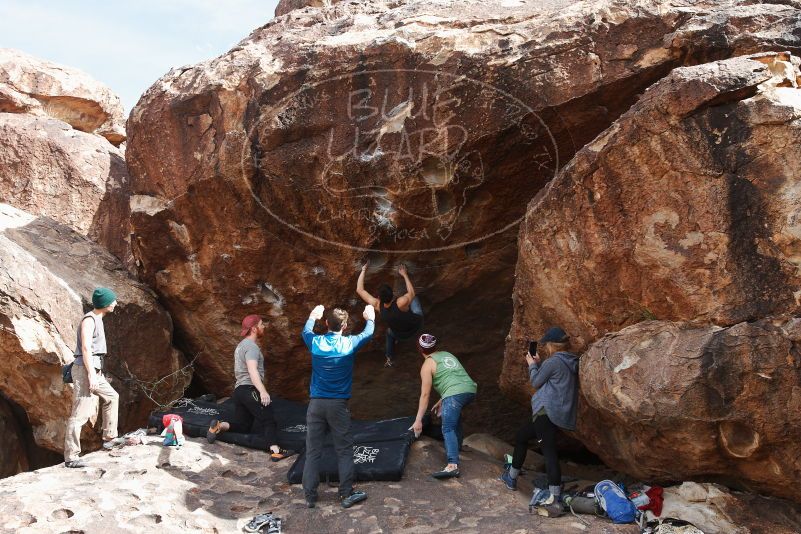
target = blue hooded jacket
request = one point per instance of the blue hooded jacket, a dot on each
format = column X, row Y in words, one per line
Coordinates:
column 556, row 382
column 332, row 360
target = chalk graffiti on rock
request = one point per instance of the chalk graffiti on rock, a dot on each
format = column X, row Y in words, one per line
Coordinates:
column 398, row 156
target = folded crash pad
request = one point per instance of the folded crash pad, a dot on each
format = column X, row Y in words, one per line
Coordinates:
column 379, row 452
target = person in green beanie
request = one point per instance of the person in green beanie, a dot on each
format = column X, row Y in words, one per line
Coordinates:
column 89, row 379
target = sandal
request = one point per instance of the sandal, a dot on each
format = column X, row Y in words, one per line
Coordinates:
column 388, row 363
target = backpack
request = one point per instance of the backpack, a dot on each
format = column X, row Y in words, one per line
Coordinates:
column 615, row 503
column 66, row 373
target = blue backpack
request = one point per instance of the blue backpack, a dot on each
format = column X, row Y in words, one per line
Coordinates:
column 615, row 503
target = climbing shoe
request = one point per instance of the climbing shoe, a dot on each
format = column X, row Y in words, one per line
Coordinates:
column 509, row 482
column 213, row 431
column 258, row 522
column 555, row 509
column 74, row 464
column 356, row 496
column 274, row 526
column 453, row 473
column 281, row 454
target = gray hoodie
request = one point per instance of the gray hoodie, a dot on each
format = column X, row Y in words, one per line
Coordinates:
column 556, row 382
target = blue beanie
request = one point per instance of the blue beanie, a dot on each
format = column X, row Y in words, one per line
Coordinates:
column 554, row 335
column 103, row 297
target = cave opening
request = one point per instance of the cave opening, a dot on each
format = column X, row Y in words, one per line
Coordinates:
column 20, row 452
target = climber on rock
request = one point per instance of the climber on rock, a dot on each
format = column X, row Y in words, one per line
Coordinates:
column 89, row 379
column 252, row 409
column 403, row 315
column 456, row 389
column 553, row 372
column 330, row 388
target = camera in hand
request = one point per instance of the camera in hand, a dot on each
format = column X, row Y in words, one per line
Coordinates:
column 532, row 348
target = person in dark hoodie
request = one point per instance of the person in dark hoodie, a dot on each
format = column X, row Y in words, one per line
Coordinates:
column 553, row 372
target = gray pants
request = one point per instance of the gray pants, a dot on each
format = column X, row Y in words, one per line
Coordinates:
column 326, row 415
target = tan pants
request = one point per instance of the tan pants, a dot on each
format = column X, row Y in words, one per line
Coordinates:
column 83, row 407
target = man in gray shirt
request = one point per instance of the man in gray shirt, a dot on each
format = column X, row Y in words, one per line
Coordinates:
column 253, row 414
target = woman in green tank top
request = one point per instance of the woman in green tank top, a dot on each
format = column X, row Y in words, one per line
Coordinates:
column 445, row 373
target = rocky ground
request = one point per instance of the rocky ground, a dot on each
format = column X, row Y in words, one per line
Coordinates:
column 218, row 488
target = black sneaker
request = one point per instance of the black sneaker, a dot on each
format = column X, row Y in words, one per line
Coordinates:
column 74, row 464
column 356, row 496
column 453, row 473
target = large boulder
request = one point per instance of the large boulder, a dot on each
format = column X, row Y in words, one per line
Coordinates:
column 668, row 401
column 412, row 132
column 686, row 209
column 47, row 275
column 78, row 179
column 35, row 86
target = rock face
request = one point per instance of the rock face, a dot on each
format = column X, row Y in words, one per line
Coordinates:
column 38, row 87
column 285, row 6
column 47, row 274
column 414, row 132
column 685, row 209
column 78, row 179
column 58, row 128
column 668, row 401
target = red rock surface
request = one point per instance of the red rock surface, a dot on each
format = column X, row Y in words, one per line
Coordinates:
column 685, row 209
column 47, row 275
column 262, row 179
column 668, row 401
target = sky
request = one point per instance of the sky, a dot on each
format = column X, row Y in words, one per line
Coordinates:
column 128, row 45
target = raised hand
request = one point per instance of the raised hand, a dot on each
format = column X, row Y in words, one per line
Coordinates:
column 369, row 313
column 317, row 312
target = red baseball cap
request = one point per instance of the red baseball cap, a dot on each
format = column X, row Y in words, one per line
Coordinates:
column 249, row 322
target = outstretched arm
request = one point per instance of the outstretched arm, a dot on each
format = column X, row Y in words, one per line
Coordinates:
column 365, row 335
column 365, row 296
column 426, row 376
column 405, row 300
